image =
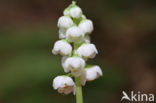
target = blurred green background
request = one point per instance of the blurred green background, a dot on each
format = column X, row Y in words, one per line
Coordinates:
column 125, row 35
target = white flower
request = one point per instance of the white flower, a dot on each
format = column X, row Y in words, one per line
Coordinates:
column 64, row 84
column 75, row 34
column 93, row 73
column 75, row 72
column 75, row 12
column 73, row 64
column 87, row 51
column 86, row 26
column 62, row 47
column 65, row 22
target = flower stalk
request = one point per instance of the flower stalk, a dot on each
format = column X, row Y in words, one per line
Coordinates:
column 79, row 94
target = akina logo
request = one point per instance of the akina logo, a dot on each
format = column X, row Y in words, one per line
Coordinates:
column 140, row 97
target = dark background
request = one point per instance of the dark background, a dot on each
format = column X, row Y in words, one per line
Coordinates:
column 125, row 35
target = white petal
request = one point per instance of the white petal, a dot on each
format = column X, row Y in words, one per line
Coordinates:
column 64, row 84
column 63, row 64
column 57, row 82
column 62, row 47
column 87, row 51
column 93, row 72
column 75, row 64
column 75, row 12
column 65, row 22
column 86, row 26
column 69, row 81
column 75, row 34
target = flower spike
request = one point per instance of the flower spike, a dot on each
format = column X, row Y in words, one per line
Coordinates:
column 76, row 48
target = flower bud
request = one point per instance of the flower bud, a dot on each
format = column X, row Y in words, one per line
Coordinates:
column 87, row 51
column 93, row 73
column 64, row 84
column 86, row 26
column 65, row 22
column 73, row 64
column 75, row 12
column 75, row 34
column 62, row 47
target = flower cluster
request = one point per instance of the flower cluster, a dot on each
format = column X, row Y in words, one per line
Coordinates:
column 76, row 48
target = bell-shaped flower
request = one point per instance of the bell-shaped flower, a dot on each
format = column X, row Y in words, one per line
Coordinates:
column 64, row 84
column 62, row 47
column 75, row 12
column 75, row 34
column 87, row 51
column 73, row 64
column 65, row 22
column 86, row 26
column 76, row 72
column 93, row 73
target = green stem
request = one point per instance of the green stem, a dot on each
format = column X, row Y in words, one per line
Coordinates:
column 79, row 96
